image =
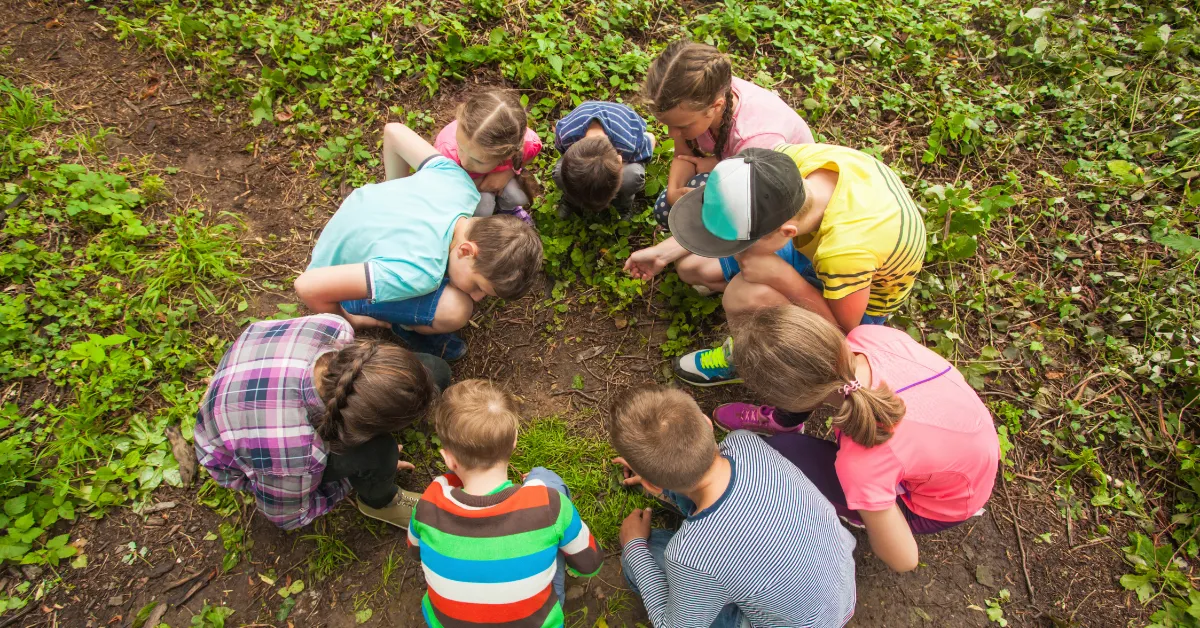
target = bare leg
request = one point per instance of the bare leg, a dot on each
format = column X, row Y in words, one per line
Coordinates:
column 454, row 309
column 742, row 297
column 701, row 271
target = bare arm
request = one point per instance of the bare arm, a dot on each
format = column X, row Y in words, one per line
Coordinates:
column 495, row 181
column 648, row 262
column 681, row 171
column 403, row 150
column 891, row 538
column 770, row 270
column 849, row 310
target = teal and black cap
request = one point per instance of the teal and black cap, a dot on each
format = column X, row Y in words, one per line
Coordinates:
column 747, row 197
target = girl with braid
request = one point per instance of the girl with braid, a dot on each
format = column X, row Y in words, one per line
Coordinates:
column 299, row 412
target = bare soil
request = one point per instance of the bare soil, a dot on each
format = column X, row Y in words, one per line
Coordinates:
column 66, row 50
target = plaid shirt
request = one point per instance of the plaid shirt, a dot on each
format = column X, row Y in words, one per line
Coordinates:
column 254, row 429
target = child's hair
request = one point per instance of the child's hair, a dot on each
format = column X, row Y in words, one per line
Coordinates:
column 663, row 435
column 477, row 422
column 510, row 254
column 496, row 122
column 591, row 173
column 371, row 388
column 694, row 76
column 795, row 359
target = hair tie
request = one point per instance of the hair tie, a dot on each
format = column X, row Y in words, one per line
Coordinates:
column 851, row 387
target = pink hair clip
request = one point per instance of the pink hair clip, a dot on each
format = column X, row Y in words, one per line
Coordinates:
column 851, row 387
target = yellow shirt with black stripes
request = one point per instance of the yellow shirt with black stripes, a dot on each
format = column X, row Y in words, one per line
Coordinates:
column 872, row 233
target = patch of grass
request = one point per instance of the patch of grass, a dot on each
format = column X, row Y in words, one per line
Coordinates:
column 584, row 464
column 331, row 555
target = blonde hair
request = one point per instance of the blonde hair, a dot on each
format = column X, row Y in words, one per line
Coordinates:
column 795, row 359
column 510, row 254
column 691, row 75
column 663, row 435
column 496, row 122
column 477, row 422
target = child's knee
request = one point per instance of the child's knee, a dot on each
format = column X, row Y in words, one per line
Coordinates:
column 695, row 270
column 742, row 297
column 486, row 206
column 454, row 309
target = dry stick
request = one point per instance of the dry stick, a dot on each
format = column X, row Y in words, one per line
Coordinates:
column 1020, row 543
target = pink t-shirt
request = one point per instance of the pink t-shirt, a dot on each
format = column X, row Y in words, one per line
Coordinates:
column 760, row 120
column 942, row 456
column 446, row 143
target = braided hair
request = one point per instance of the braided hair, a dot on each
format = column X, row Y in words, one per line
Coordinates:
column 695, row 76
column 496, row 122
column 370, row 388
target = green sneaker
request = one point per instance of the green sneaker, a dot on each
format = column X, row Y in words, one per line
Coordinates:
column 397, row 513
column 708, row 367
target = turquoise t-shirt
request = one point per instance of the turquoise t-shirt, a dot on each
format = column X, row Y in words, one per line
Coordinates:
column 401, row 229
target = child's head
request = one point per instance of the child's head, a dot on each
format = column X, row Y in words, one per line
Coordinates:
column 796, row 360
column 491, row 130
column 688, row 87
column 477, row 424
column 752, row 200
column 501, row 256
column 664, row 436
column 370, row 388
column 591, row 173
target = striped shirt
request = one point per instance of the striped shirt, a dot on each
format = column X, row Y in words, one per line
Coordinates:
column 872, row 234
column 623, row 126
column 254, row 429
column 491, row 559
column 771, row 544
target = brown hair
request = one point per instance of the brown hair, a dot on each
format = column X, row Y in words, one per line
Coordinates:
column 591, row 173
column 510, row 254
column 496, row 122
column 663, row 435
column 691, row 75
column 370, row 388
column 795, row 360
column 477, row 422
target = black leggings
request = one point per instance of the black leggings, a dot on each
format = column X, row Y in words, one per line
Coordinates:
column 371, row 466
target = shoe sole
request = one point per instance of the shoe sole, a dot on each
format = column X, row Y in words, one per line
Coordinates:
column 709, row 384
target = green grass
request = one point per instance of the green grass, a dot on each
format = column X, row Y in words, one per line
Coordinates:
column 584, row 464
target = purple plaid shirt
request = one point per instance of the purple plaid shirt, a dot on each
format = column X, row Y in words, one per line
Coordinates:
column 254, row 429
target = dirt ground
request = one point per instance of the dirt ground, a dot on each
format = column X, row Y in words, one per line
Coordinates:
column 65, row 50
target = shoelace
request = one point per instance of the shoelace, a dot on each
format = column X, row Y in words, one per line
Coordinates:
column 405, row 499
column 714, row 359
column 754, row 414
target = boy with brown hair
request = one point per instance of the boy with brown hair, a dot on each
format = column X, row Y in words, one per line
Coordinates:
column 494, row 552
column 407, row 253
column 760, row 545
column 605, row 148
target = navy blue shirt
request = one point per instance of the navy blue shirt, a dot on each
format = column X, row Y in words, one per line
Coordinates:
column 623, row 126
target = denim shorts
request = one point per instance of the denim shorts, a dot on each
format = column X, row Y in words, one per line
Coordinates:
column 730, row 267
column 417, row 311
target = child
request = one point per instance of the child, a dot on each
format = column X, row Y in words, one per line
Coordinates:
column 916, row 450
column 711, row 115
column 828, row 228
column 759, row 545
column 605, row 148
column 407, row 254
column 299, row 412
column 494, row 551
column 490, row 140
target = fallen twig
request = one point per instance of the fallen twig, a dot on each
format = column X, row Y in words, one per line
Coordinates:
column 1020, row 543
column 200, row 584
column 577, row 392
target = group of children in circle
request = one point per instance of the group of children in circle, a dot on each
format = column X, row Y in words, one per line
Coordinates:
column 814, row 247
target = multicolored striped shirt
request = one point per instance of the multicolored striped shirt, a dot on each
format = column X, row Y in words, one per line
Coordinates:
column 491, row 559
column 254, row 430
column 623, row 126
column 771, row 544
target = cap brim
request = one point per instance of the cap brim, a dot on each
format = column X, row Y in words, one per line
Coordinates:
column 687, row 225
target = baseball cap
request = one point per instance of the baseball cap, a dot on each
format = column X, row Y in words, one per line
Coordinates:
column 747, row 197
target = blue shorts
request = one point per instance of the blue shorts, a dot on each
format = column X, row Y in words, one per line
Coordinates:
column 730, row 267
column 417, row 311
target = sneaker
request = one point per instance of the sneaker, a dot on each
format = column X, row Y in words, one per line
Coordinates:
column 520, row 212
column 708, row 367
column 448, row 347
column 745, row 416
column 397, row 513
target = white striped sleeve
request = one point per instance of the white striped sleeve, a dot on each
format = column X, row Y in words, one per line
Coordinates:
column 681, row 596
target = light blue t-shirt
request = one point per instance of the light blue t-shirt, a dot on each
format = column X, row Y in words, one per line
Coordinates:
column 401, row 229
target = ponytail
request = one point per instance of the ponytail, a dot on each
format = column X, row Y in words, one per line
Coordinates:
column 796, row 360
column 371, row 388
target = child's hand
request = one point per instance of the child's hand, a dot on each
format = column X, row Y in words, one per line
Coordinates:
column 633, row 479
column 702, row 164
column 403, row 465
column 645, row 264
column 635, row 526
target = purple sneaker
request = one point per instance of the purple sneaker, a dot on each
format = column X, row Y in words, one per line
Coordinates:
column 745, row 416
column 520, row 212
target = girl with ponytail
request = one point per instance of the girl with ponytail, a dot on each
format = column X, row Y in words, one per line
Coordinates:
column 916, row 451
column 299, row 412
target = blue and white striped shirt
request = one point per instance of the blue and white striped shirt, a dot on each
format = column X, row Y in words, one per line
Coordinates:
column 771, row 544
column 624, row 127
